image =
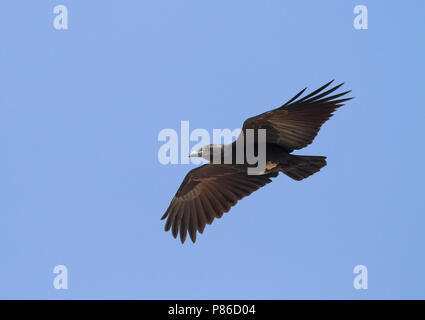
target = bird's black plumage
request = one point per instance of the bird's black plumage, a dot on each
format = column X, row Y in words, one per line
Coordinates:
column 212, row 189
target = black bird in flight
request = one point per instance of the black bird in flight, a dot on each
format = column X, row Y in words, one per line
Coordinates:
column 212, row 189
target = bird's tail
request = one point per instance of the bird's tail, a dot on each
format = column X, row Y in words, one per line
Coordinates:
column 301, row 167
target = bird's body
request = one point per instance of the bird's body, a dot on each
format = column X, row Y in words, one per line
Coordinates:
column 212, row 189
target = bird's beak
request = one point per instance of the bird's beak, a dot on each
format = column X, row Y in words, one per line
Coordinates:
column 195, row 154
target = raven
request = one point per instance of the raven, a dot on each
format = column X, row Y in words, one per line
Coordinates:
column 212, row 189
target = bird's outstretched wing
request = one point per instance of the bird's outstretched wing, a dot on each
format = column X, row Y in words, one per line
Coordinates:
column 295, row 124
column 206, row 193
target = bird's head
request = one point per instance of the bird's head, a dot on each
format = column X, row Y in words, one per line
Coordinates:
column 207, row 152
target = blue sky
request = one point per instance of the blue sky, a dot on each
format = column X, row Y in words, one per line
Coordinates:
column 81, row 185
